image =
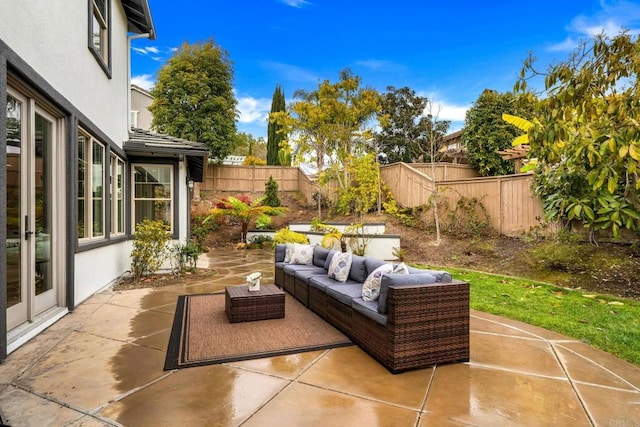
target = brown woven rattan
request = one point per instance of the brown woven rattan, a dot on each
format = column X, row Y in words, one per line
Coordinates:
column 427, row 325
column 339, row 315
column 289, row 285
column 301, row 290
column 318, row 301
column 278, row 277
column 242, row 305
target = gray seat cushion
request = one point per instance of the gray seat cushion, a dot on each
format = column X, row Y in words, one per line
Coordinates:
column 306, row 274
column 291, row 269
column 322, row 281
column 345, row 293
column 369, row 309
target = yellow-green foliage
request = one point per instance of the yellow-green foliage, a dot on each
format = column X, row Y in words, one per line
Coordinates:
column 284, row 235
column 149, row 247
column 253, row 160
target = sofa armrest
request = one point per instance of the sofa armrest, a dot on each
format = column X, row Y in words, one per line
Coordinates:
column 435, row 303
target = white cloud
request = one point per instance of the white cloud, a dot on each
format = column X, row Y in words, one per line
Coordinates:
column 443, row 109
column 145, row 81
column 614, row 16
column 253, row 110
column 146, row 51
column 379, row 64
column 291, row 72
column 568, row 44
column 295, row 3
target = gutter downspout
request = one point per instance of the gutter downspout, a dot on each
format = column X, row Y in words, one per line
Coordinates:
column 129, row 38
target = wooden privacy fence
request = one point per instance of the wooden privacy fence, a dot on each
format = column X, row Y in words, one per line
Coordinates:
column 512, row 207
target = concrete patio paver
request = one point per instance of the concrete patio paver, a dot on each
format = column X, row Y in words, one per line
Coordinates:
column 103, row 365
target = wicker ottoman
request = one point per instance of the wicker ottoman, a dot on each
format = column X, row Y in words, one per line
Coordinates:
column 244, row 306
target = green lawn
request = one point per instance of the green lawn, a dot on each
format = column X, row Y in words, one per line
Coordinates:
column 609, row 323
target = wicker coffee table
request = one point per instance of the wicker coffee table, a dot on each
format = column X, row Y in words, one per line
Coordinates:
column 244, row 306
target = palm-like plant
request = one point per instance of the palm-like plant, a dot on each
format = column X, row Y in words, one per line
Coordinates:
column 244, row 212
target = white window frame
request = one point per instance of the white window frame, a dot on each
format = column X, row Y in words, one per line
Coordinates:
column 117, row 196
column 90, row 181
column 136, row 198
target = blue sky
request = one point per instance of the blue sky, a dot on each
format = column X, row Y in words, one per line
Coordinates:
column 448, row 51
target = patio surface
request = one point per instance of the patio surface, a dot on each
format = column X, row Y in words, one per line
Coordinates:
column 102, row 365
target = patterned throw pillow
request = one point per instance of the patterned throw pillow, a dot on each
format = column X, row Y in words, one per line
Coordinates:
column 340, row 266
column 371, row 287
column 288, row 252
column 302, row 254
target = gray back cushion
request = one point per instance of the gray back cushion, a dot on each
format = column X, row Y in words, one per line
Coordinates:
column 441, row 276
column 280, row 252
column 320, row 255
column 372, row 264
column 358, row 270
column 328, row 260
column 400, row 280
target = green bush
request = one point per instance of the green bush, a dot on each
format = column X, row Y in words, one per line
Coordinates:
column 284, row 235
column 271, row 193
column 186, row 256
column 201, row 227
column 149, row 248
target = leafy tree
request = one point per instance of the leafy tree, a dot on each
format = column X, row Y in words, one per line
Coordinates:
column 244, row 212
column 275, row 133
column 193, row 98
column 585, row 134
column 331, row 121
column 247, row 145
column 485, row 133
column 403, row 126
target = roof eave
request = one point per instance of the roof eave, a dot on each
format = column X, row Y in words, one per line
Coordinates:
column 139, row 17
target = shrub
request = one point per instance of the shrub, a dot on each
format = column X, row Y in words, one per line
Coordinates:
column 254, row 161
column 260, row 241
column 149, row 248
column 271, row 193
column 186, row 256
column 201, row 227
column 284, row 235
column 264, row 222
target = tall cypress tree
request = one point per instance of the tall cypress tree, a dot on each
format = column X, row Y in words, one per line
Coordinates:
column 273, row 136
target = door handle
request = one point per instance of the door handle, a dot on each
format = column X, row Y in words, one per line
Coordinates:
column 27, row 232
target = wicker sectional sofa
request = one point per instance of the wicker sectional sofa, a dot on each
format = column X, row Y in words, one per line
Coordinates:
column 420, row 318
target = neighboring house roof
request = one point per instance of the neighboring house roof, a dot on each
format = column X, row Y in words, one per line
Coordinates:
column 141, row 90
column 234, row 160
column 145, row 143
column 139, row 17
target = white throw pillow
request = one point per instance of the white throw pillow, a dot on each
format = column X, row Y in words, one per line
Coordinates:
column 340, row 266
column 288, row 252
column 371, row 287
column 302, row 254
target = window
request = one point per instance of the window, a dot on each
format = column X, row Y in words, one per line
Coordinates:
column 152, row 193
column 99, row 31
column 91, row 178
column 117, row 195
column 134, row 119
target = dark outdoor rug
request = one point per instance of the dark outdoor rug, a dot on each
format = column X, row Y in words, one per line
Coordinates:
column 202, row 334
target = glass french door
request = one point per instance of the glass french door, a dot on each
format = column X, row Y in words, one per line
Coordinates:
column 31, row 141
